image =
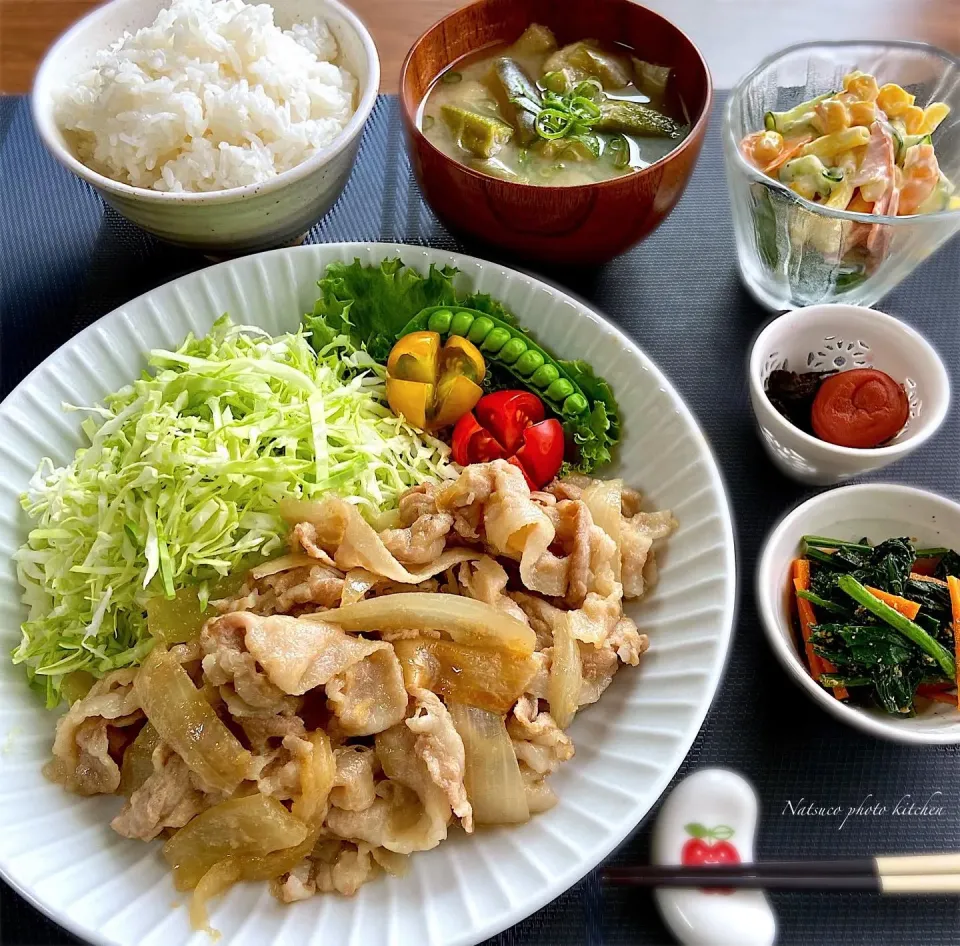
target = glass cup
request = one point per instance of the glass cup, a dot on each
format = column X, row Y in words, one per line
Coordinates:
column 793, row 252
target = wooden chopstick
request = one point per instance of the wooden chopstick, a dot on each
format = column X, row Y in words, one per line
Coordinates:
column 915, row 873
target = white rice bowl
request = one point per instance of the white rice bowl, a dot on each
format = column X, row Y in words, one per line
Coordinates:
column 212, row 95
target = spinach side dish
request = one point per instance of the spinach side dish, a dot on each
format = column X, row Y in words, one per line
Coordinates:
column 880, row 624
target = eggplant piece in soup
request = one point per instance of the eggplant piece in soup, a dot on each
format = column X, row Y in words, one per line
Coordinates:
column 533, row 113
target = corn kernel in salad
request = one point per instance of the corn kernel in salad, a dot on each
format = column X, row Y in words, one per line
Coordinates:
column 768, row 146
column 933, row 114
column 862, row 85
column 832, row 116
column 894, row 100
column 912, row 118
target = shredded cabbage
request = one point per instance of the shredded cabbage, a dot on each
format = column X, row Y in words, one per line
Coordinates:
column 181, row 479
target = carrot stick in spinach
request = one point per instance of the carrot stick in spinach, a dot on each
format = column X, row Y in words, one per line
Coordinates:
column 913, row 632
column 954, row 584
column 909, row 609
column 808, row 620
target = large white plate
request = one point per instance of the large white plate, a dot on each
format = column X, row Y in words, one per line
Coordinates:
column 59, row 851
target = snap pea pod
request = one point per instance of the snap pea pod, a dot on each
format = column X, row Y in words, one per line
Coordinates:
column 505, row 345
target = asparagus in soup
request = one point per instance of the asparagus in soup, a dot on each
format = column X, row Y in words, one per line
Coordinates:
column 538, row 114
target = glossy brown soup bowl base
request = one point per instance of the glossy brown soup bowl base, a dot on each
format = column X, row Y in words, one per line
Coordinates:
column 584, row 223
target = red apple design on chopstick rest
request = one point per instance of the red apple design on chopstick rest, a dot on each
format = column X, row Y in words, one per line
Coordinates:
column 709, row 846
column 710, row 818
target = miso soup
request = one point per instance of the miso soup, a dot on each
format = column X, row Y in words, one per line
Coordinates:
column 538, row 114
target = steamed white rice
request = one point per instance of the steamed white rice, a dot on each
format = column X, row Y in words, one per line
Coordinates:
column 211, row 95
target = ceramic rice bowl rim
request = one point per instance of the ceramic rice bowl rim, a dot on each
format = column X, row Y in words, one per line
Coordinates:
column 43, row 117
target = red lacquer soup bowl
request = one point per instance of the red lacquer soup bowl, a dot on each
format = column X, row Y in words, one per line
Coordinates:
column 584, row 223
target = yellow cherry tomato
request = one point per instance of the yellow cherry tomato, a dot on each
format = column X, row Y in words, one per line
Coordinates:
column 414, row 357
column 430, row 386
column 455, row 396
column 411, row 400
column 462, row 357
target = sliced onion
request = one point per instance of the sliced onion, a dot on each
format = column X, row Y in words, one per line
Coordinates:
column 276, row 863
column 176, row 620
column 316, row 780
column 282, row 564
column 225, row 873
column 566, row 675
column 356, row 584
column 602, row 498
column 492, row 775
column 137, row 764
column 254, row 826
column 540, row 796
column 340, row 527
column 218, row 879
column 466, row 620
column 490, row 678
column 186, row 722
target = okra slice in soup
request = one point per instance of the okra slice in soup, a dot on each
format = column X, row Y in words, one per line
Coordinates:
column 482, row 135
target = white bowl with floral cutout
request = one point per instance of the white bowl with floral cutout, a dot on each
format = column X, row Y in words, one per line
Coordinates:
column 841, row 337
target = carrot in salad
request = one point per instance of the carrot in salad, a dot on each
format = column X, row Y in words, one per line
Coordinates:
column 790, row 150
column 954, row 585
column 808, row 618
column 909, row 609
column 859, row 204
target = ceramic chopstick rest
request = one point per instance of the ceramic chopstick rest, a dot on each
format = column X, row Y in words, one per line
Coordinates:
column 711, row 818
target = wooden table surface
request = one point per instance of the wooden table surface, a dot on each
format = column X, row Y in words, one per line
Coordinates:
column 733, row 34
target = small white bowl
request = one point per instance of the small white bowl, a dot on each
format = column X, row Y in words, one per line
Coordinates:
column 879, row 511
column 239, row 219
column 840, row 336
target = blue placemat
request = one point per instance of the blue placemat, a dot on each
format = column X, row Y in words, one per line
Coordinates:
column 64, row 261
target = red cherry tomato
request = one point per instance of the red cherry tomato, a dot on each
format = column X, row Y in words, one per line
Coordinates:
column 859, row 408
column 509, row 425
column 506, row 414
column 471, row 443
column 513, row 461
column 541, row 451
